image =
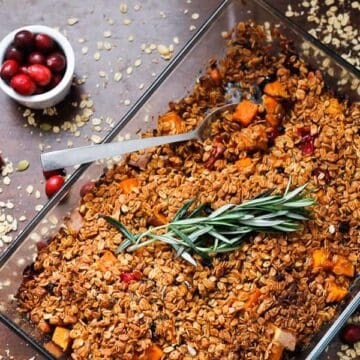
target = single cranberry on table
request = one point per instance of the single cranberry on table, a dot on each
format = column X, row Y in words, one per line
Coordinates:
column 24, row 39
column 40, row 74
column 56, row 62
column 13, row 53
column 36, row 57
column 23, row 84
column 53, row 184
column 350, row 333
column 44, row 43
column 8, row 69
column 50, row 173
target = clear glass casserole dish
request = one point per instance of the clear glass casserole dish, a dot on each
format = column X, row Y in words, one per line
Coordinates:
column 176, row 80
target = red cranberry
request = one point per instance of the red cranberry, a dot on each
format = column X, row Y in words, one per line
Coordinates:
column 36, row 58
column 40, row 74
column 303, row 131
column 326, row 177
column 23, row 84
column 53, row 184
column 127, row 277
column 86, row 188
column 350, row 333
column 56, row 62
column 13, row 53
column 306, row 145
column 8, row 69
column 55, row 80
column 50, row 173
column 216, row 151
column 43, row 43
column 24, row 39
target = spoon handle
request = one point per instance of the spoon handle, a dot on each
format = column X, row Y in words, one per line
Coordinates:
column 68, row 157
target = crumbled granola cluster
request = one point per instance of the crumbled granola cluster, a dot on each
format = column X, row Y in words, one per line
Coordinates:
column 233, row 307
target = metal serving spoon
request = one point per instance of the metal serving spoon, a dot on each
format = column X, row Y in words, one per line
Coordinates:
column 81, row 155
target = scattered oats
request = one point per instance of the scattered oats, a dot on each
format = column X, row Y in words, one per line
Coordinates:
column 162, row 14
column 148, row 50
column 192, row 27
column 81, row 40
column 117, row 76
column 164, row 51
column 102, row 74
column 137, row 7
column 72, row 21
column 6, row 180
column 176, row 40
column 110, row 21
column 107, row 45
column 137, row 62
column 29, row 189
column 22, row 218
column 84, row 50
column 107, row 34
column 153, row 46
column 131, row 38
column 9, row 205
column 141, row 86
column 39, row 207
column 127, row 102
column 127, row 21
column 69, row 143
column 37, row 194
column 96, row 139
column 186, row 11
column 129, row 70
column 127, row 136
column 56, row 129
column 22, row 165
column 53, row 219
column 123, row 8
column 195, row 16
column 97, row 56
column 99, row 45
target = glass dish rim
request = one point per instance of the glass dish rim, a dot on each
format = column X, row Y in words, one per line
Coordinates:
column 265, row 4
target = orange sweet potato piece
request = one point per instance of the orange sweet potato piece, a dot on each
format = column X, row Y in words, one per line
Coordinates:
column 274, row 110
column 61, row 337
column 129, row 185
column 275, row 89
column 335, row 292
column 321, row 260
column 276, row 352
column 253, row 299
column 334, row 107
column 343, row 266
column 152, row 353
column 53, row 349
column 171, row 123
column 107, row 261
column 215, row 75
column 245, row 112
column 243, row 163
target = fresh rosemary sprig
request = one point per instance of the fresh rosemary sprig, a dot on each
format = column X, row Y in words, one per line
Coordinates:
column 225, row 228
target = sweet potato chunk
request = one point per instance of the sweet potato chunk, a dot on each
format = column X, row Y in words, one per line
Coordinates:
column 171, row 123
column 276, row 352
column 107, row 261
column 334, row 107
column 275, row 89
column 243, row 163
column 245, row 112
column 321, row 260
column 253, row 299
column 335, row 292
column 343, row 266
column 274, row 110
column 53, row 349
column 61, row 337
column 129, row 185
column 152, row 353
column 284, row 338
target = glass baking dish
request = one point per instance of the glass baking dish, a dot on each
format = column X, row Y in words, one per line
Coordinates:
column 174, row 83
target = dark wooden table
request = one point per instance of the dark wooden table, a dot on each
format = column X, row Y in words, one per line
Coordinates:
column 156, row 22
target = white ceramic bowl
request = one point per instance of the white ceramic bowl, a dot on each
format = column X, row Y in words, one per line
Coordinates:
column 58, row 93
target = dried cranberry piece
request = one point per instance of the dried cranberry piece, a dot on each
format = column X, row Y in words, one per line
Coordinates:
column 317, row 172
column 306, row 145
column 272, row 134
column 127, row 277
column 217, row 150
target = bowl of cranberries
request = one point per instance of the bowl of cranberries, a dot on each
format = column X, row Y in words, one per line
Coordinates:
column 37, row 66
